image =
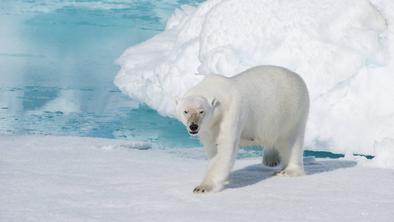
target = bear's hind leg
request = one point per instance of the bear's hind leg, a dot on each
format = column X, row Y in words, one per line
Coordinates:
column 271, row 157
column 292, row 158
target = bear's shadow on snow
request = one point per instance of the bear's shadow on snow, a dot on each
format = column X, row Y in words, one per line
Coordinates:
column 255, row 173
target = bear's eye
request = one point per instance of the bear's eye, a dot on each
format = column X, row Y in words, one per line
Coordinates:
column 185, row 112
column 202, row 112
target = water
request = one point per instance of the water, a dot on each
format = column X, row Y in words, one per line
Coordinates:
column 57, row 68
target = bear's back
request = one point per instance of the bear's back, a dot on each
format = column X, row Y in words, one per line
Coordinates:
column 270, row 74
column 275, row 91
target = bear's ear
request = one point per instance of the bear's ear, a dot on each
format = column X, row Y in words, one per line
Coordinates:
column 214, row 102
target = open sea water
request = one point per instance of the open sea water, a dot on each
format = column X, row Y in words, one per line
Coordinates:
column 57, row 69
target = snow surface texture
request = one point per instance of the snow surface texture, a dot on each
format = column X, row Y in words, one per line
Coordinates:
column 343, row 49
column 82, row 179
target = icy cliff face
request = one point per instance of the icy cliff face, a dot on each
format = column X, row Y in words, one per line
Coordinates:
column 343, row 50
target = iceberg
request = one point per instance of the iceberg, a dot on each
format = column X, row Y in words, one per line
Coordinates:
column 343, row 49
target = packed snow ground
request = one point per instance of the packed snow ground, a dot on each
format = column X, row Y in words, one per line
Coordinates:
column 343, row 49
column 59, row 179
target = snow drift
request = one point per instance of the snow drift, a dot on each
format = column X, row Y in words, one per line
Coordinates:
column 343, row 50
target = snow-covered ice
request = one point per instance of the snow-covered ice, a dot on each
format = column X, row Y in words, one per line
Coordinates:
column 45, row 178
column 343, row 49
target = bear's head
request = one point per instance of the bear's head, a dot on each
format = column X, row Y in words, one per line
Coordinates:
column 194, row 112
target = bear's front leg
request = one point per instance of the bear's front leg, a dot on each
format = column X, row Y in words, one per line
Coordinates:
column 227, row 143
column 219, row 167
column 208, row 139
column 221, row 164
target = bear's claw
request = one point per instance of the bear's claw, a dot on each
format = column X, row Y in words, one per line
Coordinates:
column 202, row 189
column 271, row 163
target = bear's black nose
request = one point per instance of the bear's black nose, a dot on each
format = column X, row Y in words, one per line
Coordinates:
column 193, row 127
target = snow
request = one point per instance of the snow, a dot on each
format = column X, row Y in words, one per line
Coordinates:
column 384, row 155
column 343, row 49
column 45, row 178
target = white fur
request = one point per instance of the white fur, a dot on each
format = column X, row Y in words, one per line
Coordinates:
column 265, row 105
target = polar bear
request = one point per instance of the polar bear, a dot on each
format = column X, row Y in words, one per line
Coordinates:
column 264, row 105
